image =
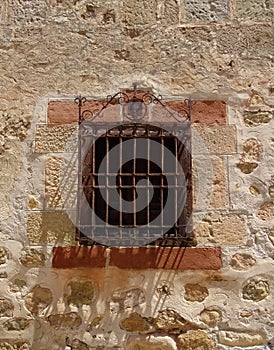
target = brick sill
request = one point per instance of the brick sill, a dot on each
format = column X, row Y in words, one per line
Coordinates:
column 168, row 258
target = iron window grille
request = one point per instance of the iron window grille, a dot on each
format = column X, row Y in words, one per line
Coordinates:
column 108, row 223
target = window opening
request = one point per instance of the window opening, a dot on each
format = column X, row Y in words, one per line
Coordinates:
column 107, row 222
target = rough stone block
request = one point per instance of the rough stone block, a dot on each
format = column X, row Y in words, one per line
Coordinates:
column 242, row 261
column 69, row 320
column 31, row 13
column 3, row 255
column 255, row 118
column 6, row 307
column 213, row 139
column 33, row 202
column 124, row 300
column 210, row 317
column 249, row 40
column 38, row 299
column 266, row 211
column 14, row 344
column 139, row 13
column 251, row 155
column 80, row 293
column 242, row 339
column 195, row 292
column 207, row 11
column 32, row 258
column 16, row 324
column 256, row 289
column 223, row 229
column 135, row 323
column 56, row 138
column 168, row 12
column 77, row 344
column 171, row 322
column 150, row 342
column 195, row 339
column 254, row 10
column 50, row 227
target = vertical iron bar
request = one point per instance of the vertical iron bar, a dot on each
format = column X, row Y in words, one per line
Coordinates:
column 93, row 223
column 177, row 223
column 134, row 183
column 162, row 179
column 120, row 181
column 148, row 177
column 79, row 101
column 107, row 180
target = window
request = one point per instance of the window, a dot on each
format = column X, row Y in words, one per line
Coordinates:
column 135, row 184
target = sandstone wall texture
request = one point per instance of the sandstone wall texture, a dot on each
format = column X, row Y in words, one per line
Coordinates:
column 55, row 295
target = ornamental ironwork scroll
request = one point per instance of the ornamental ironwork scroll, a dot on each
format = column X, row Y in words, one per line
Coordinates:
column 134, row 109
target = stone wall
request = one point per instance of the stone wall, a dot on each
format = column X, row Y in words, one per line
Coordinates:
column 55, row 295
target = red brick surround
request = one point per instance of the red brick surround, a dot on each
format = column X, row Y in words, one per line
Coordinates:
column 203, row 112
column 176, row 258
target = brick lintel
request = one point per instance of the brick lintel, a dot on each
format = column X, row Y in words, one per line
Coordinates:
column 168, row 258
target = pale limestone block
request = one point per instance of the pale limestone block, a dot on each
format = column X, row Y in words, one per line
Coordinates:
column 214, row 139
column 56, row 138
column 61, row 182
column 242, row 339
column 206, row 11
column 209, row 183
column 224, row 229
column 50, row 227
column 140, row 13
column 254, row 9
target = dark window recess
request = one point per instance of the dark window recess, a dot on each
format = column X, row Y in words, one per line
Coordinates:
column 109, row 223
